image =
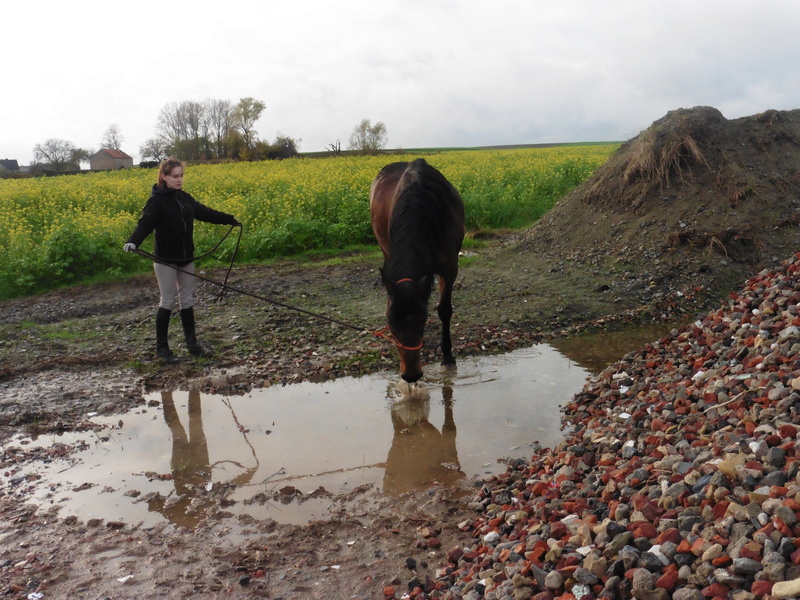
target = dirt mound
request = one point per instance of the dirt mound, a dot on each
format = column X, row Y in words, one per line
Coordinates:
column 694, row 200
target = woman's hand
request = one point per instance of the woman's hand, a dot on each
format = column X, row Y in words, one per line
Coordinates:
column 129, row 247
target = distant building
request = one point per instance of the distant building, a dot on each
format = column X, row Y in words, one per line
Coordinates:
column 10, row 165
column 107, row 158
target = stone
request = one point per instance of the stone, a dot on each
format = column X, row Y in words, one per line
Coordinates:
column 491, row 538
column 774, row 571
column 554, row 580
column 712, row 552
column 520, row 581
column 585, row 577
column 612, row 583
column 668, row 581
column 745, row 566
column 725, row 577
column 782, row 590
column 776, row 456
column 642, row 579
column 597, row 564
column 656, row 594
column 687, row 594
column 715, row 589
column 761, row 588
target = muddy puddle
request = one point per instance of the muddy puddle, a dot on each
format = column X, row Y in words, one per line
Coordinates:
column 304, row 451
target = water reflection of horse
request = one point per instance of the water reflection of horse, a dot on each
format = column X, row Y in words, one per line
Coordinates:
column 420, row 454
column 418, row 220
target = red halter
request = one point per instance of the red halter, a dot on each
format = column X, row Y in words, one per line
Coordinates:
column 388, row 336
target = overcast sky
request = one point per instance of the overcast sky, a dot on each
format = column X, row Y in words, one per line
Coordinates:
column 435, row 72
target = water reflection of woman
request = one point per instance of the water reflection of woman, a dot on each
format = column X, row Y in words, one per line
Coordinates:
column 190, row 464
column 420, row 454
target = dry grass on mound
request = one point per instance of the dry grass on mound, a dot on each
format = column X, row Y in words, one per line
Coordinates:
column 657, row 156
column 656, row 159
column 731, row 243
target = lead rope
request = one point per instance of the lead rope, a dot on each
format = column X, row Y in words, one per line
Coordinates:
column 224, row 285
column 167, row 261
column 233, row 256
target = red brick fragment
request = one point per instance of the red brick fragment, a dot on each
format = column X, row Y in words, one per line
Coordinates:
column 761, row 588
column 722, row 561
column 719, row 509
column 715, row 589
column 751, row 550
column 644, row 529
column 668, row 581
column 672, row 534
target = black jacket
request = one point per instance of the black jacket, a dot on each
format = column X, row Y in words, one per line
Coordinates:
column 171, row 213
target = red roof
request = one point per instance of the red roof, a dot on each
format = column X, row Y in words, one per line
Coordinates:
column 115, row 153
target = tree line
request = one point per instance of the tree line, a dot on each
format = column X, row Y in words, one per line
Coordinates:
column 204, row 131
column 214, row 129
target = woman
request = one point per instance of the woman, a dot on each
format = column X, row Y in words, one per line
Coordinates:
column 171, row 212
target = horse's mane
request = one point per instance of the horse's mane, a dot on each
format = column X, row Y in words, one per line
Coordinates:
column 422, row 212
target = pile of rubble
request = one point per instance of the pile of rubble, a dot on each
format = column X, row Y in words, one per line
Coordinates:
column 678, row 477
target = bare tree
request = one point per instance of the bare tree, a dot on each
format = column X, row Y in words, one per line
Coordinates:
column 171, row 125
column 334, row 147
column 180, row 125
column 60, row 155
column 219, row 123
column 367, row 138
column 245, row 115
column 155, row 148
column 112, row 138
column 193, row 115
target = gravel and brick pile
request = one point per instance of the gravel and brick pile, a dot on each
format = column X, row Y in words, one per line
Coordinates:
column 677, row 477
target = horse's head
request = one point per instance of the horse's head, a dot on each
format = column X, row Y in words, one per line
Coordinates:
column 406, row 313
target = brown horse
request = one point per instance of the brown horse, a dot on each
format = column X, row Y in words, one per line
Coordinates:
column 418, row 220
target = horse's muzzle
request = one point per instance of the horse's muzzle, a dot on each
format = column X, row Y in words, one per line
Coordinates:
column 410, row 366
column 412, row 378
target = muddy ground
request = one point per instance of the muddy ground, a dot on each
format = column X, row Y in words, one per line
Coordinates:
column 682, row 215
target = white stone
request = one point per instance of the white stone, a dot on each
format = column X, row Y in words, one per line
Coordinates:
column 782, row 590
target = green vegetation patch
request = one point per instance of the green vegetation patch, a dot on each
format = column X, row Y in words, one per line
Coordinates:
column 57, row 231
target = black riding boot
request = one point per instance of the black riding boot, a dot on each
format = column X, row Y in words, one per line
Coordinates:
column 192, row 345
column 162, row 340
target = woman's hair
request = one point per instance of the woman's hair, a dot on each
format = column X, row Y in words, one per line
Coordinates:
column 165, row 168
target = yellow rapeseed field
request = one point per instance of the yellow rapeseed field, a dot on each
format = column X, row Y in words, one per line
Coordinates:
column 61, row 230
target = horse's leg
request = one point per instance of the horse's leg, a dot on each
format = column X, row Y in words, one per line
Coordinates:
column 445, row 311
